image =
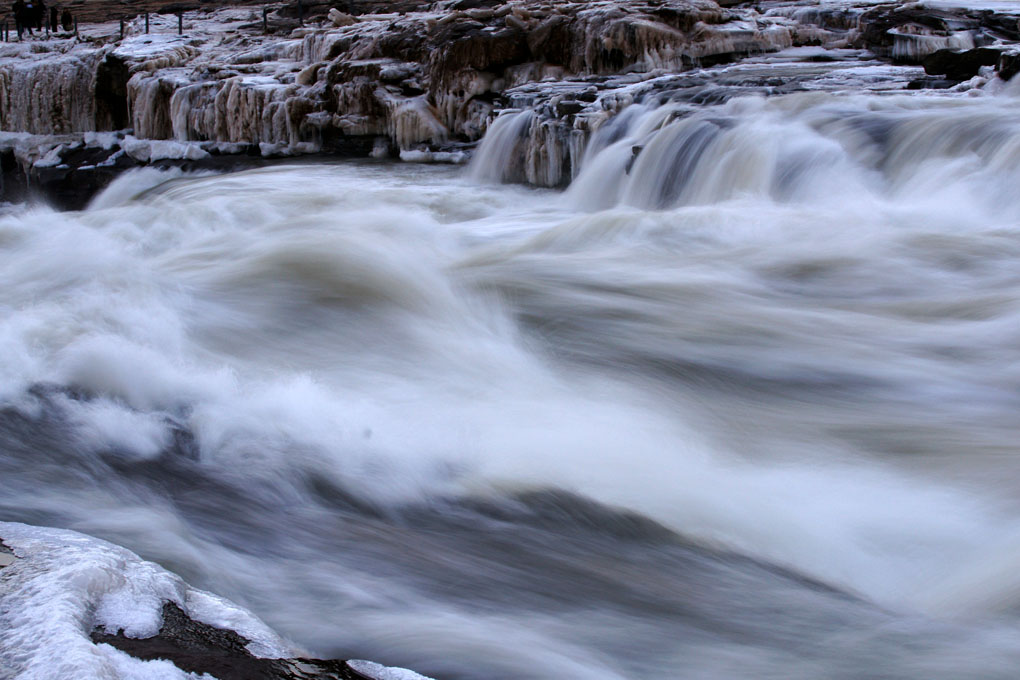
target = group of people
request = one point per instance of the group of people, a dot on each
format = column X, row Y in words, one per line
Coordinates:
column 31, row 14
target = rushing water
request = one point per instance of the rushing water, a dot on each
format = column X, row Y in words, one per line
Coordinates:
column 740, row 403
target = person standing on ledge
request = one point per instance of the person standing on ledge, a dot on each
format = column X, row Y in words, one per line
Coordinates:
column 21, row 18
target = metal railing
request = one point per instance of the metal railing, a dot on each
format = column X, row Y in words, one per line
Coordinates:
column 70, row 28
column 53, row 22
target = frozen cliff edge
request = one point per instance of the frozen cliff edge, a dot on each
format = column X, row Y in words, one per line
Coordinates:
column 426, row 82
column 72, row 606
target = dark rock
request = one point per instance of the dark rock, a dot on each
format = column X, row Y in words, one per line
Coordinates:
column 177, row 8
column 635, row 151
column 680, row 19
column 359, row 7
column 960, row 65
column 402, row 45
column 473, row 48
column 475, row 4
column 84, row 171
column 336, row 143
column 111, row 94
column 550, row 40
column 569, row 108
column 930, row 84
column 1000, row 26
column 1009, row 64
column 80, row 176
column 875, row 25
column 200, row 648
column 13, row 183
column 6, row 556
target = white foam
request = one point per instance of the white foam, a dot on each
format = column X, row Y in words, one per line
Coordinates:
column 131, row 184
column 380, row 672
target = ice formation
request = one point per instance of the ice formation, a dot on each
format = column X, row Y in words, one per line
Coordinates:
column 48, row 90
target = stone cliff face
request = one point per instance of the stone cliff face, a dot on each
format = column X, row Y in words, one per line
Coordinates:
column 428, row 81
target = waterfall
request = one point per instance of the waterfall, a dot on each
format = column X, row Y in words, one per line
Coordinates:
column 503, row 152
column 811, row 147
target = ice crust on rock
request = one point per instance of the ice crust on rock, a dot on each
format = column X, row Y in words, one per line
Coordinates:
column 59, row 586
column 146, row 150
column 155, row 50
column 65, row 584
column 49, row 92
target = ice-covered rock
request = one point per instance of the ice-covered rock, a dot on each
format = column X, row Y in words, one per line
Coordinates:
column 65, row 584
column 431, row 78
column 146, row 150
column 6, row 556
column 73, row 606
column 960, row 65
column 49, row 89
column 339, row 18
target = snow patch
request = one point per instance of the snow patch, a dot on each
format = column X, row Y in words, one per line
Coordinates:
column 51, row 159
column 147, row 150
column 427, row 156
column 148, row 46
column 102, row 140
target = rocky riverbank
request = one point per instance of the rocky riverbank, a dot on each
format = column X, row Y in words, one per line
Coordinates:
column 426, row 81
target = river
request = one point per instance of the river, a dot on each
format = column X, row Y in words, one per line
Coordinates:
column 740, row 402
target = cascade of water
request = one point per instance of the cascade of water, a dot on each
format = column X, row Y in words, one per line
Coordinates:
column 503, row 152
column 815, row 148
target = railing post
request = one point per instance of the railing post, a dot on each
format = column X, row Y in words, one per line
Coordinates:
column 146, row 22
column 121, row 28
column 301, row 12
column 265, row 20
column 180, row 23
